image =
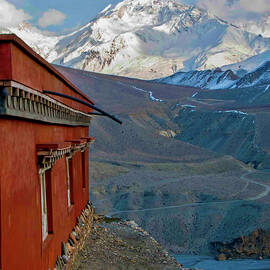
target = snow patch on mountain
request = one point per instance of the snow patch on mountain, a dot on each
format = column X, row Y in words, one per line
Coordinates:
column 40, row 41
column 260, row 76
column 207, row 79
column 149, row 39
column 251, row 63
column 218, row 79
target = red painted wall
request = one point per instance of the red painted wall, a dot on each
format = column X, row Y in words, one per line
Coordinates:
column 39, row 78
column 21, row 235
column 5, row 63
column 18, row 62
column 21, row 241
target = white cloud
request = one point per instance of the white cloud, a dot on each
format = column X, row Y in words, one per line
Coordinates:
column 258, row 6
column 239, row 12
column 236, row 9
column 218, row 8
column 51, row 17
column 10, row 15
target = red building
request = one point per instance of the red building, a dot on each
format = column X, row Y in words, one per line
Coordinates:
column 43, row 158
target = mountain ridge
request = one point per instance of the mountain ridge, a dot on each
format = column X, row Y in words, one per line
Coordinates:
column 219, row 79
column 148, row 39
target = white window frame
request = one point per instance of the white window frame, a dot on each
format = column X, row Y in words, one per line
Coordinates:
column 68, row 181
column 84, row 174
column 44, row 206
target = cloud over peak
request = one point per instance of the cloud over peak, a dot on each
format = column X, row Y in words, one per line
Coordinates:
column 51, row 17
column 10, row 15
column 236, row 10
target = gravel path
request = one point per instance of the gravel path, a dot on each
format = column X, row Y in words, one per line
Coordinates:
column 122, row 246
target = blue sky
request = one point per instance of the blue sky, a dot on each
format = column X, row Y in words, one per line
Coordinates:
column 76, row 12
column 53, row 15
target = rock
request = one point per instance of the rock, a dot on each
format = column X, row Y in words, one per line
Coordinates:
column 254, row 245
column 121, row 245
column 69, row 247
column 80, row 222
column 73, row 238
column 65, row 258
column 71, row 242
column 64, row 249
column 78, row 230
column 76, row 235
column 222, row 257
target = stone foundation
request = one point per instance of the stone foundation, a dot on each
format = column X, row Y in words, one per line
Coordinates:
column 76, row 239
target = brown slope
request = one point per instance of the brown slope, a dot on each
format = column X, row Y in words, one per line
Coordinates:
column 138, row 139
column 91, row 80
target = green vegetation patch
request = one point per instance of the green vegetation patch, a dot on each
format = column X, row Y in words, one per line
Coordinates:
column 219, row 165
column 104, row 170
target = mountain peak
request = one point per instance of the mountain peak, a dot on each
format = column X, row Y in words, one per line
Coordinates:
column 148, row 39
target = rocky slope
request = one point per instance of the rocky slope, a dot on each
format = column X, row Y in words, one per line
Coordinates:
column 115, row 245
column 255, row 245
column 228, row 132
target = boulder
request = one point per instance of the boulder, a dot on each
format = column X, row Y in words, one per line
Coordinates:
column 222, row 257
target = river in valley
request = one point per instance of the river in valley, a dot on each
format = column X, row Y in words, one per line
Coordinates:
column 209, row 263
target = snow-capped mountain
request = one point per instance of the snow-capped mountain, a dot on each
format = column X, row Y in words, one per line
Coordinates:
column 218, row 79
column 152, row 38
column 42, row 43
column 148, row 39
column 206, row 79
column 250, row 63
column 260, row 76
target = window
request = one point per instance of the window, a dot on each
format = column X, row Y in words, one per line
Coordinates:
column 83, row 169
column 69, row 181
column 46, row 202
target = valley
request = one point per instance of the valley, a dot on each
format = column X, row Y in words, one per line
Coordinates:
column 188, row 165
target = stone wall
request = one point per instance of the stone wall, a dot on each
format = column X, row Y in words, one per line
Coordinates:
column 76, row 239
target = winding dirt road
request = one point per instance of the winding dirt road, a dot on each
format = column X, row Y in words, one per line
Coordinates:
column 243, row 177
column 259, row 196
